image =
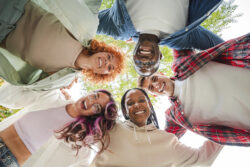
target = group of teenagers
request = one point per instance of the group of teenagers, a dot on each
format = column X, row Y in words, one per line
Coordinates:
column 46, row 45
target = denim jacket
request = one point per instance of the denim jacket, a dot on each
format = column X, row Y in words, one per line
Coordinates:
column 117, row 23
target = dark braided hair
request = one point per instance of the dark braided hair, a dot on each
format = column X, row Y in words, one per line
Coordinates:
column 152, row 118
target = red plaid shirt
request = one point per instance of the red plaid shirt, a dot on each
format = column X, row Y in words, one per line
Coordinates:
column 235, row 52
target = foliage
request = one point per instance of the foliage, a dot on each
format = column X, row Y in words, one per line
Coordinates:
column 222, row 18
column 6, row 112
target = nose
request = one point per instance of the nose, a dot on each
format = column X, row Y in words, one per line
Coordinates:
column 136, row 105
column 90, row 101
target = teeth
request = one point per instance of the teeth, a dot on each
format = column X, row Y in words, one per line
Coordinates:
column 85, row 105
column 139, row 112
column 145, row 52
column 163, row 86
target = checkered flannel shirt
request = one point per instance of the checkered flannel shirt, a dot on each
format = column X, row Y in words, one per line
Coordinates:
column 235, row 52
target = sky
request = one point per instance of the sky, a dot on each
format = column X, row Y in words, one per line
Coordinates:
column 230, row 156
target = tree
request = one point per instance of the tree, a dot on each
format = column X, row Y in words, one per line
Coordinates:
column 222, row 17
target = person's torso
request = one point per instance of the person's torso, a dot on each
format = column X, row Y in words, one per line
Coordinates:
column 216, row 94
column 40, row 39
column 137, row 148
column 36, row 128
column 163, row 16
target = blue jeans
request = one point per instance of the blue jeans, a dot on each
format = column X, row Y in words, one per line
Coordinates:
column 10, row 12
column 7, row 159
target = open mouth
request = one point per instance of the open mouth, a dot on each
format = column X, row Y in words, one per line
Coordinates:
column 84, row 105
column 100, row 62
column 140, row 112
column 162, row 87
column 145, row 50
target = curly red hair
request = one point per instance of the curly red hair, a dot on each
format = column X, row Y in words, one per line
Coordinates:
column 98, row 46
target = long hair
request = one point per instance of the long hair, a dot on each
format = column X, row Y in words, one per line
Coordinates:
column 88, row 130
column 97, row 46
column 152, row 118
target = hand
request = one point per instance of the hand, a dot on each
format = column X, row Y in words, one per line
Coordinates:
column 64, row 92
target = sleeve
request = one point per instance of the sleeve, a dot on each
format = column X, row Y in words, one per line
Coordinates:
column 203, row 156
column 82, row 23
column 173, row 127
column 107, row 25
column 199, row 38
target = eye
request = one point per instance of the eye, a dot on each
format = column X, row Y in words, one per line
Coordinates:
column 142, row 100
column 95, row 96
column 109, row 57
column 130, row 103
column 150, row 87
column 154, row 78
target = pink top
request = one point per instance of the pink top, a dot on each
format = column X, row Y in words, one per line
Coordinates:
column 35, row 128
column 41, row 40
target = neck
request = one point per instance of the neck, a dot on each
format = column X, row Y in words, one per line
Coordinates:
column 139, row 124
column 71, row 110
column 82, row 61
column 149, row 37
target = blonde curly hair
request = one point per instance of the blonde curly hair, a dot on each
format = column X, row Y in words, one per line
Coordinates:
column 98, row 46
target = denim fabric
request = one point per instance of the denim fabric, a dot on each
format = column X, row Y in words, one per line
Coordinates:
column 7, row 159
column 10, row 12
column 117, row 23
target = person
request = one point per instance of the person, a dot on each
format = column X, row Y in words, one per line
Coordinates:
column 206, row 91
column 164, row 22
column 55, row 41
column 20, row 140
column 140, row 137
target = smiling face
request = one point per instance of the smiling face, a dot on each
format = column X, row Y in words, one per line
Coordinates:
column 103, row 62
column 157, row 84
column 92, row 104
column 147, row 56
column 137, row 107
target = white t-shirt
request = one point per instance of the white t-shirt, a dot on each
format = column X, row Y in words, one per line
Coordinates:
column 159, row 17
column 217, row 94
column 36, row 128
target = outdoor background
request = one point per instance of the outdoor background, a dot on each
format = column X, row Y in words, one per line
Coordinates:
column 231, row 20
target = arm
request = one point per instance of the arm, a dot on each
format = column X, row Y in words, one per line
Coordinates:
column 199, row 38
column 202, row 39
column 203, row 156
column 173, row 127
